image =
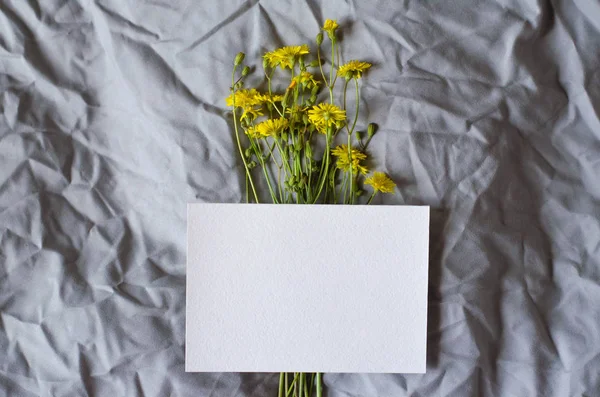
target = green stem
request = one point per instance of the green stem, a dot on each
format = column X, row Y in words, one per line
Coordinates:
column 247, row 190
column 333, row 186
column 281, row 384
column 331, row 71
column 357, row 107
column 284, row 158
column 321, row 64
column 323, row 175
column 264, row 168
column 319, row 385
column 344, row 187
column 237, row 136
column 372, row 197
column 350, row 169
column 293, row 385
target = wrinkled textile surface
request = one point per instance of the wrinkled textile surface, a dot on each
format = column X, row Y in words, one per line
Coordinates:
column 113, row 118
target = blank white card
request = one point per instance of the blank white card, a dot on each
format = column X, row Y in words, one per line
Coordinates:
column 306, row 288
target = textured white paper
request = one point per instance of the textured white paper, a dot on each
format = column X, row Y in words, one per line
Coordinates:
column 306, row 288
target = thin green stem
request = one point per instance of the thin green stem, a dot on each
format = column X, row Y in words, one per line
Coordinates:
column 301, row 384
column 258, row 153
column 286, row 383
column 323, row 175
column 332, row 68
column 247, row 190
column 306, row 386
column 338, row 62
column 319, row 385
column 321, row 64
column 372, row 197
column 333, row 189
column 357, row 107
column 293, row 384
column 281, row 384
column 279, row 184
column 237, row 136
column 284, row 158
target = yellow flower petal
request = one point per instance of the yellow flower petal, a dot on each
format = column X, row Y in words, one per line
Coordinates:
column 381, row 182
column 271, row 127
column 341, row 152
column 353, row 69
column 326, row 115
column 306, row 79
column 330, row 26
column 286, row 57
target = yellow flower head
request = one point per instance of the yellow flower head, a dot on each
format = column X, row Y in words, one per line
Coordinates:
column 249, row 100
column 251, row 113
column 286, row 57
column 252, row 132
column 341, row 152
column 244, row 98
column 306, row 79
column 353, row 69
column 271, row 127
column 326, row 115
column 266, row 98
column 330, row 26
column 381, row 182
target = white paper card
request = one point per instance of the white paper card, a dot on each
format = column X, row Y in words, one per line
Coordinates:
column 306, row 288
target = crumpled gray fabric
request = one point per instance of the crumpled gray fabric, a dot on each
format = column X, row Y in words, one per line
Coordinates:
column 113, row 118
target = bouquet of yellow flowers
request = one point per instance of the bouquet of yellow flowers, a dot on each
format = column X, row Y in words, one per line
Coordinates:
column 308, row 151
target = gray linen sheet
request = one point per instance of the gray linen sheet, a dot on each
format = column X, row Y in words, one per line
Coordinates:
column 113, row 118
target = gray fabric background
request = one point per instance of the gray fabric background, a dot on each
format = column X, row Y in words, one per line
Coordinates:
column 113, row 118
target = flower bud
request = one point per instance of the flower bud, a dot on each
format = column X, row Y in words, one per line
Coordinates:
column 371, row 129
column 319, row 38
column 314, row 64
column 251, row 164
column 305, row 118
column 303, row 180
column 359, row 135
column 239, row 58
column 246, row 71
column 248, row 153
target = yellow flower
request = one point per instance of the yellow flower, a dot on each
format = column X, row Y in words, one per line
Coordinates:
column 330, row 26
column 306, row 79
column 286, row 57
column 251, row 102
column 252, row 132
column 266, row 98
column 271, row 127
column 341, row 152
column 251, row 113
column 326, row 115
column 244, row 98
column 381, row 182
column 353, row 69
